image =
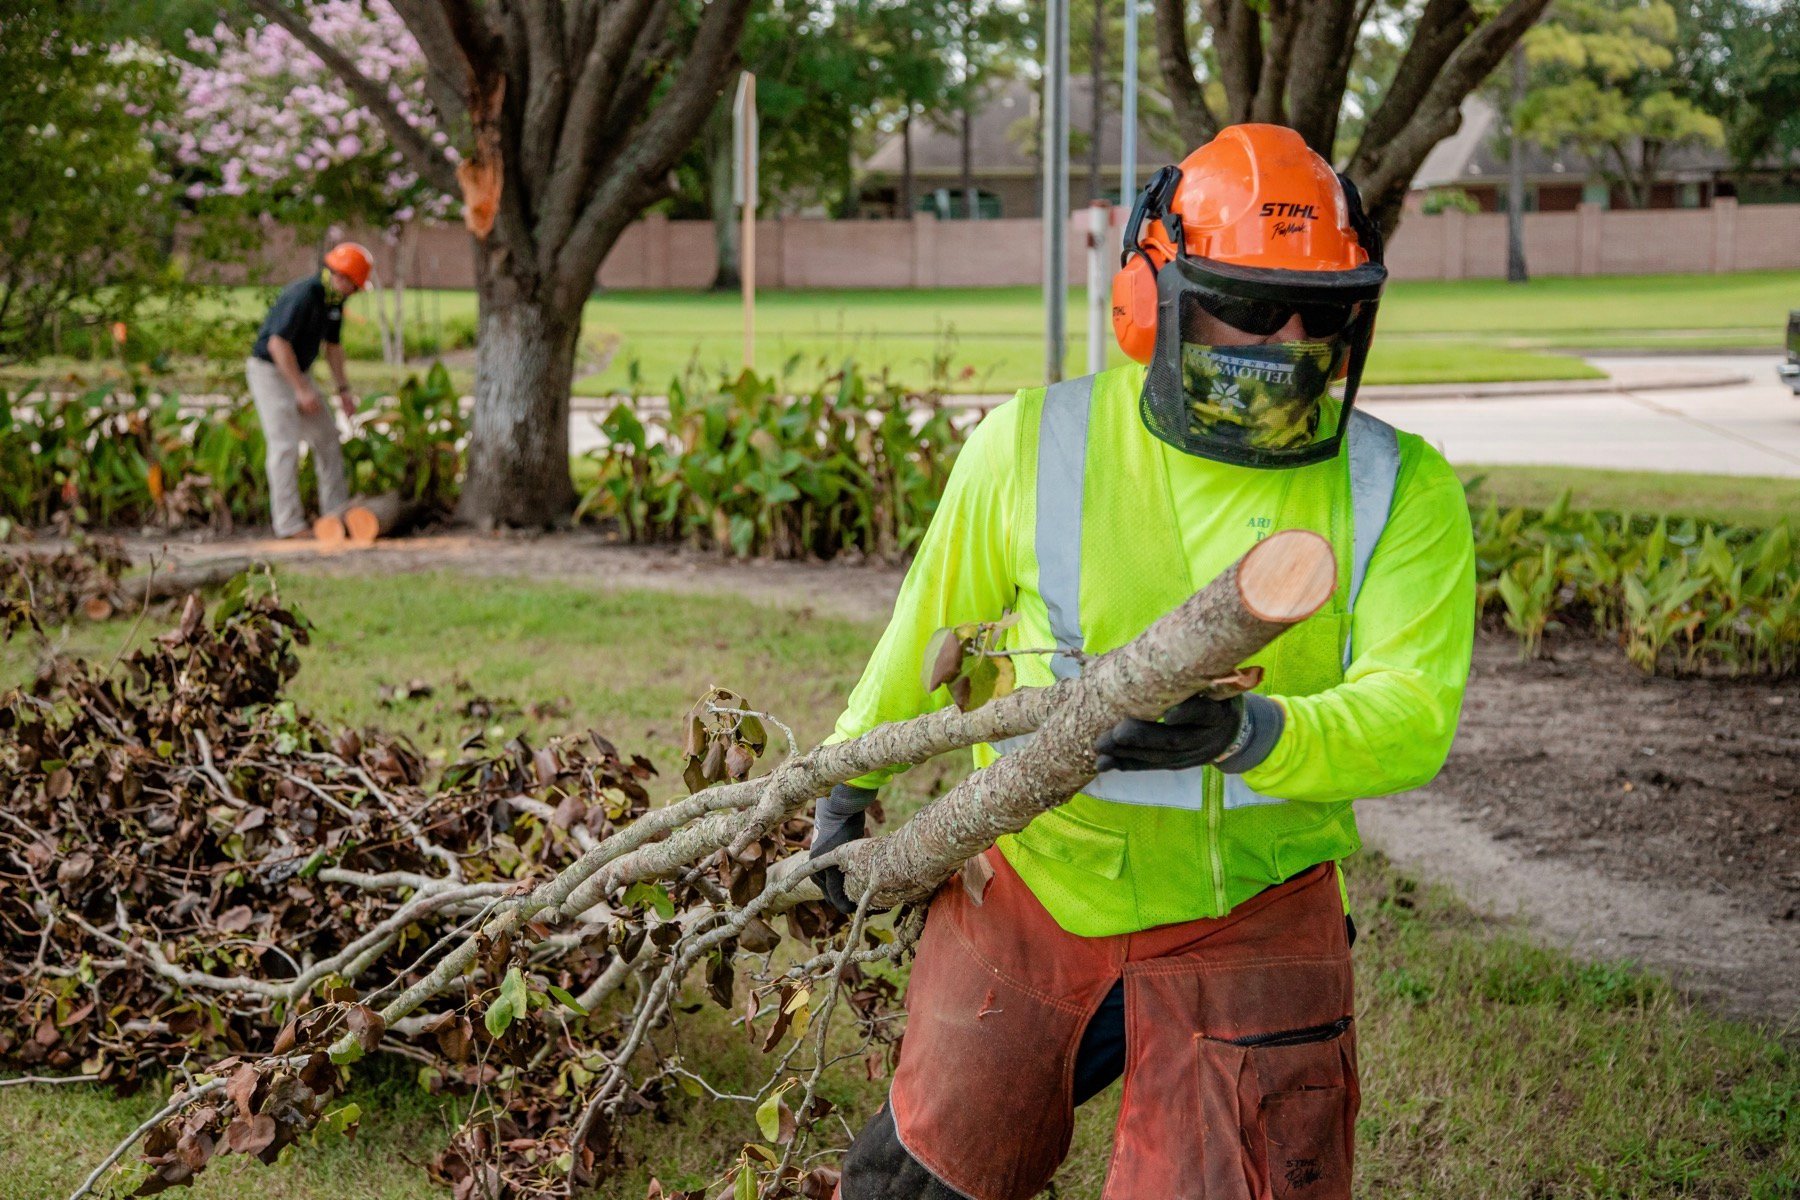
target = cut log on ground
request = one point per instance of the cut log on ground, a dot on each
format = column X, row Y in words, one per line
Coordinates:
column 139, row 590
column 328, row 533
column 380, row 516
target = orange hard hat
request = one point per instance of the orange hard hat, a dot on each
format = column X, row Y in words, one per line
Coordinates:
column 352, row 261
column 1255, row 197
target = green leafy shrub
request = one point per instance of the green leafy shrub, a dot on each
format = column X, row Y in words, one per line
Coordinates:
column 108, row 458
column 854, row 466
column 1681, row 596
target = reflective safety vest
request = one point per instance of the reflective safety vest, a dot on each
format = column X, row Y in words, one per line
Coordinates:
column 1145, row 848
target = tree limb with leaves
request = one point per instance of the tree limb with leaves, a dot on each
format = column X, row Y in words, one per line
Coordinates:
column 516, row 983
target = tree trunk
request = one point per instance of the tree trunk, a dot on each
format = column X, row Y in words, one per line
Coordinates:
column 971, row 198
column 1516, row 271
column 518, row 471
column 906, row 165
column 719, row 168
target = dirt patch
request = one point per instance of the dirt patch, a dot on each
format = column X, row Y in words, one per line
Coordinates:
column 858, row 592
column 1626, row 816
column 1690, row 782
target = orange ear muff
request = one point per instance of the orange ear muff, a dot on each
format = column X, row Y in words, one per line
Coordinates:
column 1134, row 307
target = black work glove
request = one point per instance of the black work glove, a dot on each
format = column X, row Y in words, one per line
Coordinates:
column 1197, row 731
column 839, row 820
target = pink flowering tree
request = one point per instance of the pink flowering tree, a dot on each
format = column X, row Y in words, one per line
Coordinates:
column 265, row 130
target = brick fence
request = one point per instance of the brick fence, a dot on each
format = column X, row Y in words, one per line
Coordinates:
column 806, row 252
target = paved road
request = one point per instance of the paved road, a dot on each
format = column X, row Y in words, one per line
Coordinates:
column 1751, row 428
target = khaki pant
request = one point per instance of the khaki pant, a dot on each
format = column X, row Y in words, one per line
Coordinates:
column 284, row 428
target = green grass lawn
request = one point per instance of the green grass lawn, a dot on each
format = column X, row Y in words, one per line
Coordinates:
column 1491, row 1068
column 1730, row 499
column 989, row 339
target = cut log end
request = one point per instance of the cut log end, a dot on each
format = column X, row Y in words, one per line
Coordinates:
column 1288, row 577
column 362, row 525
column 328, row 531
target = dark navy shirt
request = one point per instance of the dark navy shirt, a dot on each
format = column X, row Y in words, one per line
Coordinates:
column 305, row 316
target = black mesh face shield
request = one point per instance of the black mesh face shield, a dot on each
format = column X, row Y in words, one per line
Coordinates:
column 1217, row 390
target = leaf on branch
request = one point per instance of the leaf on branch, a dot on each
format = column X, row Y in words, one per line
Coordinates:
column 653, row 895
column 746, row 1183
column 241, row 1089
column 976, row 875
column 943, row 659
column 511, row 1004
column 564, row 998
column 770, row 1117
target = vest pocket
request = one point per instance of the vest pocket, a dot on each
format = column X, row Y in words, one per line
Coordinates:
column 1068, row 839
column 1294, row 1097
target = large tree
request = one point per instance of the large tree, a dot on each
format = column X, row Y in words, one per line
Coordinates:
column 1291, row 63
column 1736, row 60
column 1603, row 83
column 570, row 117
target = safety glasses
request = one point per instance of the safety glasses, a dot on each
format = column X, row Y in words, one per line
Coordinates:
column 1264, row 317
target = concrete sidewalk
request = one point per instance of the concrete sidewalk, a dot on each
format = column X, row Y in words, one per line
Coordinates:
column 1751, row 428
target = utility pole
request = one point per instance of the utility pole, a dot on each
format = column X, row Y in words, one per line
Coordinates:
column 1516, row 271
column 1055, row 159
column 1128, row 102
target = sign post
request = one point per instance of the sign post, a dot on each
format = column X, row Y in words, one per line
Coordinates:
column 743, row 193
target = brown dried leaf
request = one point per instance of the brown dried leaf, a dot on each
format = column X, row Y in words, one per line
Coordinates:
column 235, row 920
column 943, row 659
column 241, row 1089
column 738, row 761
column 569, row 813
column 712, row 767
column 74, row 868
column 250, row 1134
column 976, row 874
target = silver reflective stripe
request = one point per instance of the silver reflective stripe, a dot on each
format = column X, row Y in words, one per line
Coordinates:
column 1062, row 465
column 1374, row 468
column 1374, row 453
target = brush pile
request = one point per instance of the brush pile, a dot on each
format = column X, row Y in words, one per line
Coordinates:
column 189, row 865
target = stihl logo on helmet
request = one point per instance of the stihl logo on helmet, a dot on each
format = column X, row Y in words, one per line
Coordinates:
column 1310, row 212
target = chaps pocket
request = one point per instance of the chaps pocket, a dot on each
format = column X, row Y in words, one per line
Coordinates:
column 1289, row 1102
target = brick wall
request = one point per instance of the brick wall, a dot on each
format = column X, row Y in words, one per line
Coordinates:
column 805, row 252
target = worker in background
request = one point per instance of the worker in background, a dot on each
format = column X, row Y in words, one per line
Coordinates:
column 308, row 313
column 1183, row 921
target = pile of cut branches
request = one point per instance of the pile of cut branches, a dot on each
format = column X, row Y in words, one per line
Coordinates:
column 195, row 875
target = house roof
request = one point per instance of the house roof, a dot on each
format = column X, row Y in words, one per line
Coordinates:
column 1476, row 153
column 1002, row 136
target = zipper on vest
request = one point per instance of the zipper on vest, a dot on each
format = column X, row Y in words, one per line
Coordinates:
column 1295, row 1037
column 1212, row 791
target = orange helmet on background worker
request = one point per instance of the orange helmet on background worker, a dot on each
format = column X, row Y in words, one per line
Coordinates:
column 1249, row 232
column 353, row 261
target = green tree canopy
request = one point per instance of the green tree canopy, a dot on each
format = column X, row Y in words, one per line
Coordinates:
column 85, row 211
column 1603, row 81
